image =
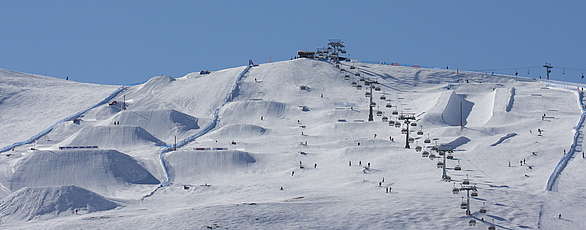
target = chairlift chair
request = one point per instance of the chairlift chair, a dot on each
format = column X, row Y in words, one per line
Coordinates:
column 432, row 156
column 385, row 119
column 354, row 83
column 379, row 113
column 358, row 87
column 457, row 167
column 411, row 140
column 413, row 124
column 361, row 79
column 483, row 209
column 391, row 123
column 377, row 88
column 397, row 124
column 472, row 222
column 441, row 153
column 418, row 148
column 474, row 193
column 419, row 132
column 389, row 105
column 383, row 97
column 427, row 141
column 492, row 227
column 357, row 74
column 347, row 77
column 466, row 181
column 352, row 67
column 367, row 94
column 425, row 154
column 440, row 164
column 450, row 156
column 366, row 83
column 455, row 190
column 404, row 131
column 464, row 204
column 373, row 103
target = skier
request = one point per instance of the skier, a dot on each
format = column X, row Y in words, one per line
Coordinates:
column 358, row 143
column 359, row 163
column 387, row 191
column 368, row 165
column 509, row 163
column 390, row 138
column 383, row 179
column 375, row 135
column 322, row 95
column 261, row 118
column 524, row 161
column 380, row 184
column 281, row 188
column 292, row 173
column 350, row 163
column 521, row 163
column 560, row 216
column 315, row 165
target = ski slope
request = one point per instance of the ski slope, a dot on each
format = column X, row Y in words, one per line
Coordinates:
column 288, row 145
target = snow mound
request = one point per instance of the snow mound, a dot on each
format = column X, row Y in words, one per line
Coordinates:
column 98, row 170
column 162, row 124
column 45, row 202
column 252, row 110
column 104, row 112
column 155, row 83
column 454, row 144
column 117, row 136
column 186, row 166
column 240, row 131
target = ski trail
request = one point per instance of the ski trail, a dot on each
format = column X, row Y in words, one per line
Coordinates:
column 561, row 165
column 211, row 125
column 69, row 118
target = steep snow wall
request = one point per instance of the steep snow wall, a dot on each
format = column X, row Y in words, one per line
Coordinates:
column 243, row 111
column 239, row 131
column 191, row 165
column 97, row 170
column 163, row 124
column 46, row 202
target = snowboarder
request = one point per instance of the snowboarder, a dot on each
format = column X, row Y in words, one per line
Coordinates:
column 390, row 138
column 302, row 133
column 359, row 163
column 261, row 118
column 383, row 179
column 387, row 190
column 350, row 163
column 300, row 165
column 315, row 165
column 292, row 173
column 281, row 188
column 375, row 135
column 368, row 165
column 358, row 143
column 559, row 216
column 380, row 184
column 509, row 163
column 390, row 189
column 564, row 151
column 521, row 163
column 582, row 153
column 322, row 95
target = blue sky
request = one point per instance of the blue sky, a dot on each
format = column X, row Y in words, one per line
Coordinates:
column 124, row 42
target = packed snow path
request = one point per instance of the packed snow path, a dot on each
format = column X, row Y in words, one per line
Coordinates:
column 69, row 118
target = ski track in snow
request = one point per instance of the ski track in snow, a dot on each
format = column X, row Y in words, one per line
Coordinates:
column 212, row 125
column 561, row 165
column 69, row 118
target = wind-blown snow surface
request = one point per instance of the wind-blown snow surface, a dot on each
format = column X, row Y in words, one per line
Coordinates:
column 298, row 125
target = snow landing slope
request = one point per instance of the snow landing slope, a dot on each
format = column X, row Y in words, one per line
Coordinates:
column 288, row 145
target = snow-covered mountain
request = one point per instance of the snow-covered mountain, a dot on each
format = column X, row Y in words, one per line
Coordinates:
column 289, row 145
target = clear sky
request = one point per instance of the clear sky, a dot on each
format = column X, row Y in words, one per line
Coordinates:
column 124, row 42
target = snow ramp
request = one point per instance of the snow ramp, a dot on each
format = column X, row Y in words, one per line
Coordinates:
column 115, row 136
column 48, row 202
column 163, row 124
column 103, row 171
column 471, row 109
column 190, row 166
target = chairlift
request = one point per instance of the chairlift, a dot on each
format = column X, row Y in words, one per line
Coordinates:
column 358, row 87
column 440, row 164
column 397, row 125
column 441, row 153
column 357, row 74
column 474, row 193
column 418, row 148
column 385, row 119
column 432, row 156
column 404, row 131
column 367, row 94
column 420, row 132
column 413, row 124
column 425, row 154
column 455, row 190
column 427, row 141
column 347, row 77
column 483, row 209
column 466, row 181
column 354, row 83
column 383, row 97
column 411, row 140
column 389, row 105
column 457, row 167
column 367, row 83
column 377, row 88
column 472, row 222
column 391, row 123
column 379, row 113
column 373, row 103
column 464, row 204
column 395, row 112
column 450, row 156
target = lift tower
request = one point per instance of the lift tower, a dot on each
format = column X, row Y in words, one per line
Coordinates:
column 370, row 116
column 407, row 118
column 335, row 48
column 548, row 68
